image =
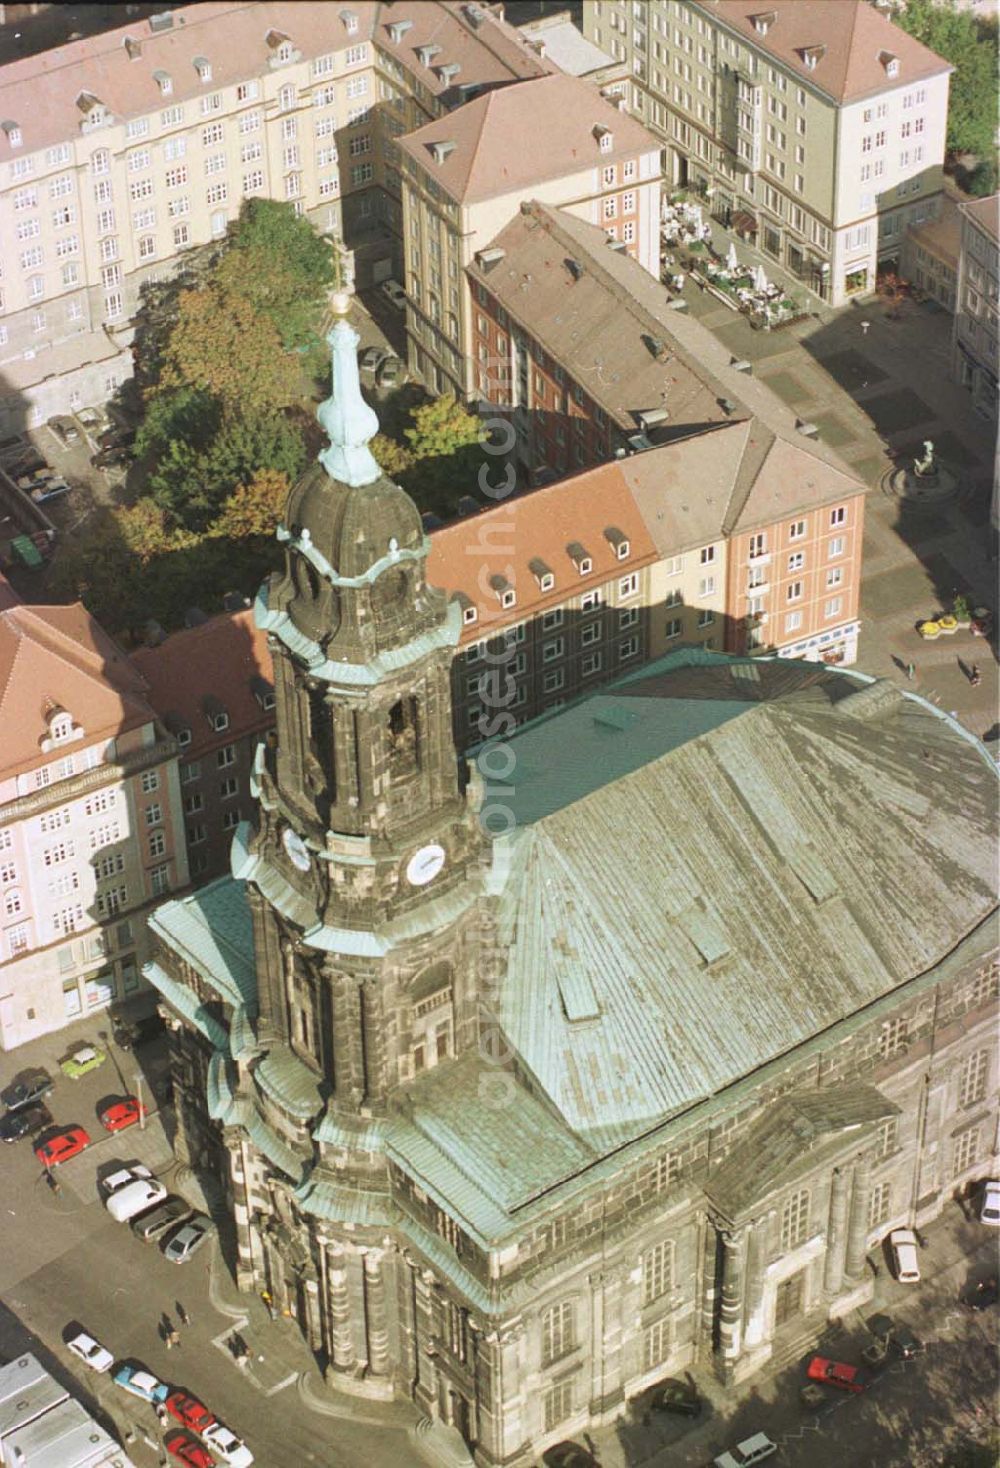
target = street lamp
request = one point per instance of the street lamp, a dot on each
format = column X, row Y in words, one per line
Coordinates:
column 138, row 1097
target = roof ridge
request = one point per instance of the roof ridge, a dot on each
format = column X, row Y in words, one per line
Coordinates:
column 734, row 510
column 91, row 657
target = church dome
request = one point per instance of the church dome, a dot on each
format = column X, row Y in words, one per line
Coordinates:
column 353, row 526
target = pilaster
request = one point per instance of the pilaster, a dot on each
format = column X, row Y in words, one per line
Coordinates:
column 857, row 1223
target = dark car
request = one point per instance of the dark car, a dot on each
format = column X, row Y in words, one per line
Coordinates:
column 569, row 1455
column 675, row 1396
column 982, row 1296
column 24, row 1122
column 27, row 1088
column 113, row 457
column 147, row 1029
column 116, row 437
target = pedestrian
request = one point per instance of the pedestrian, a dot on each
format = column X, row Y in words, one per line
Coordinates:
column 911, row 672
column 864, row 327
column 975, row 677
column 173, row 1339
column 181, row 1313
column 168, row 1338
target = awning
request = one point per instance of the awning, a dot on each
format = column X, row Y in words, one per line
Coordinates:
column 743, row 223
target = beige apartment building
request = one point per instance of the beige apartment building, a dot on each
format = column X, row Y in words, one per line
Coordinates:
column 816, row 131
column 121, row 151
column 555, row 139
column 90, row 820
column 977, row 294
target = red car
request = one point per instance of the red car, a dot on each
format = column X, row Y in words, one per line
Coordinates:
column 837, row 1373
column 62, row 1146
column 122, row 1114
column 189, row 1411
column 182, row 1445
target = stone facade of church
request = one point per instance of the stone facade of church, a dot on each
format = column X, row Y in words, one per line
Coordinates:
column 396, row 1136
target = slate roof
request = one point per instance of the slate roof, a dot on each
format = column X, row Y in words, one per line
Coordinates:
column 788, row 819
column 508, row 140
column 853, row 35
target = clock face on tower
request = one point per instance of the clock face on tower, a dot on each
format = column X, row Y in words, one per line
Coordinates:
column 424, row 865
column 294, row 845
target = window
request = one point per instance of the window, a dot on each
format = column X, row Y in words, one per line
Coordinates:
column 211, row 104
column 215, row 163
column 226, row 756
column 795, row 1221
column 557, row 1404
column 249, row 122
column 838, row 516
column 887, row 1136
column 835, row 547
column 175, row 177
column 159, row 880
column 194, row 804
column 12, row 904
column 17, row 939
column 657, row 1271
column 217, row 193
column 793, row 621
column 591, row 664
column 707, row 586
column 30, row 229
column 31, row 259
column 196, row 835
column 832, row 608
column 972, row 1076
column 966, row 1150
column 891, row 1038
column 230, row 820
column 707, row 555
column 248, row 91
column 147, row 247
column 286, row 97
column 552, row 682
column 203, row 68
column 552, row 650
column 253, row 180
column 157, row 843
column 558, row 1332
column 834, row 576
column 68, row 245
column 171, row 116
column 879, row 1204
column 182, row 236
column 142, row 188
column 794, row 591
column 190, row 772
column 362, row 174
column 674, row 627
column 628, row 586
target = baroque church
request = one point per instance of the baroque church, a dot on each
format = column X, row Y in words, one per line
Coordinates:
column 611, row 1050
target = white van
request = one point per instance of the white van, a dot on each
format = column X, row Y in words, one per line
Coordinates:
column 135, row 1198
column 905, row 1265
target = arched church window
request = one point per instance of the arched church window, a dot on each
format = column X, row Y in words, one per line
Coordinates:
column 306, row 579
column 404, row 737
column 321, row 737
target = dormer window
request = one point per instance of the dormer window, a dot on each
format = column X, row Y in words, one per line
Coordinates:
column 506, row 594
column 426, row 54
column 763, row 22
column 890, row 63
column 164, row 82
column 618, row 541
column 605, row 138
column 216, row 713
column 183, row 737
column 284, row 51
column 350, row 20
column 263, row 692
column 133, row 48
column 442, row 151
column 581, row 560
column 61, row 729
column 542, row 573
column 14, row 136
column 812, row 55
column 398, row 30
column 203, row 68
column 469, row 615
column 449, row 72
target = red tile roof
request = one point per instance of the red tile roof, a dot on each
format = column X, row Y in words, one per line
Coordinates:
column 853, row 36
column 59, row 657
column 214, row 661
column 539, row 526
column 511, row 139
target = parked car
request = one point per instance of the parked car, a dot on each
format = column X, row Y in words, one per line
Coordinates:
column 751, row 1450
column 227, row 1446
column 394, row 292
column 65, row 431
column 837, row 1373
column 391, row 373
column 569, row 1455
column 116, row 437
column 982, row 1296
column 90, row 1352
column 141, row 1383
column 30, row 1086
column 123, row 1177
column 62, row 1146
column 183, row 1446
column 188, row 1239
column 82, row 1061
column 676, row 1396
column 989, row 1208
column 189, row 1412
column 890, row 1336
column 90, row 418
column 51, row 489
column 120, row 1114
column 371, row 358
column 125, row 1203
column 24, row 1123
column 153, row 1225
column 114, row 457
column 905, row 1264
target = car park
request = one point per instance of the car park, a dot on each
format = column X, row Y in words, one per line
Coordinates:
column 126, row 1203
column 989, row 1208
column 903, row 1247
column 140, row 1382
column 24, row 1123
column 189, row 1412
column 371, row 358
column 394, row 292
column 123, row 1177
column 188, row 1450
column 122, row 1114
column 751, row 1450
column 188, row 1239
column 82, row 1061
column 837, row 1373
column 227, row 1447
column 153, row 1225
column 67, row 1143
column 65, row 431
column 90, row 1352
column 391, row 373
column 30, row 1086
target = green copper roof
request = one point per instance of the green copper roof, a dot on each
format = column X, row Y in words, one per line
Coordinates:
column 211, row 930
column 673, row 928
column 187, row 1003
column 326, row 1199
column 290, row 1082
column 243, row 1043
column 220, row 1093
column 267, row 1141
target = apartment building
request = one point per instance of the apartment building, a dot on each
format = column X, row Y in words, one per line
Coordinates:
column 212, row 686
column 928, row 256
column 974, row 340
column 817, row 131
column 91, row 835
column 119, row 151
column 465, row 175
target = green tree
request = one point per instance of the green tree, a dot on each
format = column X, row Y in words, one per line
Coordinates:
column 189, row 415
column 222, row 344
column 441, row 427
column 175, row 483
column 982, row 181
column 245, row 445
column 282, row 265
column 972, row 48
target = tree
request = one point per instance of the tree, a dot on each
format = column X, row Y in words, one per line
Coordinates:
column 186, row 414
column 442, row 426
column 982, row 181
column 972, row 48
column 246, row 444
column 394, row 459
column 222, row 344
column 282, row 265
column 253, row 509
column 175, row 484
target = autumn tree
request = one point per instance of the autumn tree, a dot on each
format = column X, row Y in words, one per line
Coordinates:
column 442, row 426
column 394, row 459
column 224, row 346
column 254, row 509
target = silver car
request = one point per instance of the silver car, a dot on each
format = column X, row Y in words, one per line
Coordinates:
column 188, row 1239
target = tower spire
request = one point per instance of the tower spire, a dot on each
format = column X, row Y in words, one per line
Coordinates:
column 349, row 422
